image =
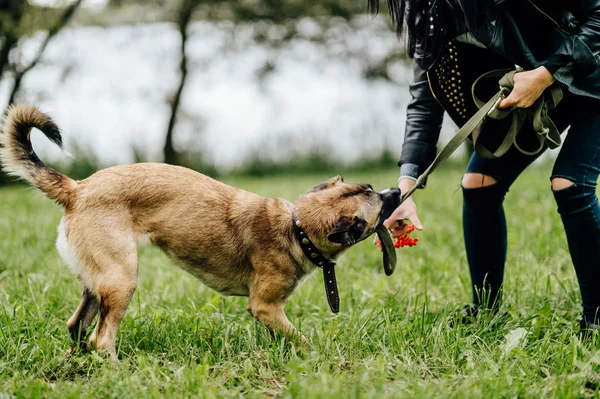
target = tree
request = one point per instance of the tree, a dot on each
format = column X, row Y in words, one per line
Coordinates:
column 185, row 15
column 13, row 14
column 19, row 71
column 282, row 13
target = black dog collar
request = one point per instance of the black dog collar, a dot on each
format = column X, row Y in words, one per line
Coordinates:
column 319, row 260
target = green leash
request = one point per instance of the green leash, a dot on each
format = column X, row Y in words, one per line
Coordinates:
column 546, row 131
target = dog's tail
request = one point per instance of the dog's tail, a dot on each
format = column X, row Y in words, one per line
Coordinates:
column 18, row 158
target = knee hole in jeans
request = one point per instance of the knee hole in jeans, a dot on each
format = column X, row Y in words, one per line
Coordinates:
column 560, row 183
column 477, row 180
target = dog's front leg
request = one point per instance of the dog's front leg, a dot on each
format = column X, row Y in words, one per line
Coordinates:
column 273, row 316
column 268, row 294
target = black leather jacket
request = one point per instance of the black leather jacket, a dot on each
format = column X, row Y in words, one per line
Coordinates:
column 563, row 36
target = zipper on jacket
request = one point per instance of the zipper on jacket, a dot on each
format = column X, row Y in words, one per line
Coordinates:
column 557, row 25
column 431, row 90
column 548, row 16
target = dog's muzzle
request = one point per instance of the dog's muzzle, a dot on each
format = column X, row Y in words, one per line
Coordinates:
column 391, row 201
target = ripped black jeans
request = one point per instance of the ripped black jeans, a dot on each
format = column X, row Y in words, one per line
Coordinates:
column 484, row 222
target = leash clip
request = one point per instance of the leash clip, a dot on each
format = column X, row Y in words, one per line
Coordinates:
column 496, row 103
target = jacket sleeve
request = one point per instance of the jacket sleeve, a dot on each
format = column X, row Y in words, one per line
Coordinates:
column 577, row 55
column 424, row 118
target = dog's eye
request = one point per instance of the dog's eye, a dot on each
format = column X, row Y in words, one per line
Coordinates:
column 362, row 189
column 367, row 187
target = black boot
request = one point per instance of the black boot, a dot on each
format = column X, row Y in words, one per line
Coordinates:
column 464, row 315
column 588, row 330
column 468, row 313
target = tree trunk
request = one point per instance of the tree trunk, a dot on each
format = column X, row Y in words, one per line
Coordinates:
column 170, row 154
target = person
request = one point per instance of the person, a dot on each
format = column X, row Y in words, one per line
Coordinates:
column 554, row 41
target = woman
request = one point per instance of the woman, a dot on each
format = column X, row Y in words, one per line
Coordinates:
column 553, row 41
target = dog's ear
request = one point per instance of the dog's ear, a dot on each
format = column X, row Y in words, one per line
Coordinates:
column 347, row 231
column 327, row 184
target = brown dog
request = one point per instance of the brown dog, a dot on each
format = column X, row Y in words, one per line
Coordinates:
column 236, row 242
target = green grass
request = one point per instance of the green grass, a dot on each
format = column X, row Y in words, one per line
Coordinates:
column 390, row 339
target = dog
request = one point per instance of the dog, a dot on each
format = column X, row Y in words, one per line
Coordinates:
column 236, row 242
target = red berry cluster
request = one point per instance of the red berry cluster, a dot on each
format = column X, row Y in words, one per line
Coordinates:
column 405, row 240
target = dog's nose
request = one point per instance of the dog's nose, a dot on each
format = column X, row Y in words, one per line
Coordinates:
column 391, row 189
column 392, row 193
column 391, row 200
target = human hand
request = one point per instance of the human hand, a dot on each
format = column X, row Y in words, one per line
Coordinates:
column 406, row 211
column 528, row 87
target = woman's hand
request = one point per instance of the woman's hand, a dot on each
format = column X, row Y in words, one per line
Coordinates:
column 406, row 211
column 528, row 87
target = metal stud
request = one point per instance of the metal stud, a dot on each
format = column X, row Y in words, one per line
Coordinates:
column 298, row 223
column 305, row 241
column 313, row 255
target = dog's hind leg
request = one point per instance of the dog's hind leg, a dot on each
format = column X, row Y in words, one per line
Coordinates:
column 108, row 268
column 115, row 293
column 83, row 316
column 102, row 251
column 88, row 307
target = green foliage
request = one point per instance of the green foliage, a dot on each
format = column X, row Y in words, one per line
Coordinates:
column 11, row 12
column 39, row 19
column 391, row 338
column 196, row 161
column 237, row 10
column 20, row 18
column 80, row 168
column 316, row 161
column 279, row 11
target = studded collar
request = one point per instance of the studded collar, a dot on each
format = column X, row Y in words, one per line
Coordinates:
column 318, row 259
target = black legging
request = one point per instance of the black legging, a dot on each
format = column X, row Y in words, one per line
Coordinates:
column 484, row 222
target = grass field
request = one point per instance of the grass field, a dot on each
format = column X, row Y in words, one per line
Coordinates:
column 390, row 339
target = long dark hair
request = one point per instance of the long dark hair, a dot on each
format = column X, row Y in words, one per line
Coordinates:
column 429, row 21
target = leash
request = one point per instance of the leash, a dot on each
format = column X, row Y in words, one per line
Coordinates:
column 546, row 131
column 547, row 134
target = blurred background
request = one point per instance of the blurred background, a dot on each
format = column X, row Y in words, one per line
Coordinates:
column 251, row 87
